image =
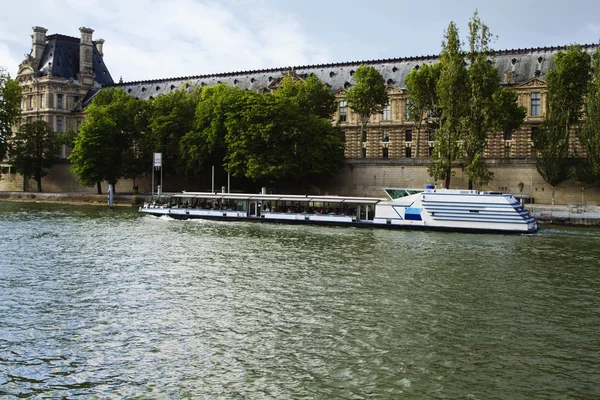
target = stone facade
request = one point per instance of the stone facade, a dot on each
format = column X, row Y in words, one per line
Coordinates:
column 62, row 74
column 58, row 76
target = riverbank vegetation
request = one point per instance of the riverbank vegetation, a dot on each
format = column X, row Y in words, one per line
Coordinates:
column 262, row 137
column 287, row 133
column 10, row 108
column 461, row 106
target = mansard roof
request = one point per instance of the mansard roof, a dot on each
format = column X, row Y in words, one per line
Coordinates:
column 523, row 64
column 61, row 57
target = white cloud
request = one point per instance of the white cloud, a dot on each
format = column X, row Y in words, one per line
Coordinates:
column 7, row 61
column 149, row 39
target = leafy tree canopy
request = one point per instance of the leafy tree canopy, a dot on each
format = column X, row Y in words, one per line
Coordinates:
column 453, row 101
column 205, row 143
column 35, row 149
column 369, row 95
column 272, row 138
column 311, row 95
column 421, row 84
column 10, row 108
column 106, row 148
column 588, row 172
column 489, row 106
column 171, row 116
column 567, row 84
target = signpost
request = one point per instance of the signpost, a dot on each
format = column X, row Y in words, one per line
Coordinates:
column 157, row 165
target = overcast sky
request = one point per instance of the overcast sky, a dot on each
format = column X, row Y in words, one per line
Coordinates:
column 150, row 39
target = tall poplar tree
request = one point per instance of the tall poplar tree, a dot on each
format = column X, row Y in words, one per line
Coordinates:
column 421, row 86
column 489, row 106
column 368, row 96
column 567, row 85
column 10, row 108
column 452, row 98
column 588, row 172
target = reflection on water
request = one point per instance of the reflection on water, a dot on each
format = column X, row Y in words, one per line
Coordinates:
column 108, row 303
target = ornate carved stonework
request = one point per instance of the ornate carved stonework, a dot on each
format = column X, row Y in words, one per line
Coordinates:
column 278, row 82
column 509, row 76
column 534, row 83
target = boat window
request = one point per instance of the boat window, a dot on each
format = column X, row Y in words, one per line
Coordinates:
column 399, row 193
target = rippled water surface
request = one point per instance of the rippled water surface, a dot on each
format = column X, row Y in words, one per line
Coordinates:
column 100, row 303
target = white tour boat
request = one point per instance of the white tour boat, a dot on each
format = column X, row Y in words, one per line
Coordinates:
column 434, row 209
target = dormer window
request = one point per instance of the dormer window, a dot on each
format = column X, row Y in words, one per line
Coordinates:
column 386, row 114
column 535, row 110
column 343, row 111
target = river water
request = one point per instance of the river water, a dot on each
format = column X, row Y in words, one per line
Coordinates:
column 100, row 303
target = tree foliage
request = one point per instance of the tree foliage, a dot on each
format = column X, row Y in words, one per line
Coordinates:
column 421, row 84
column 10, row 108
column 588, row 172
column 205, row 144
column 489, row 106
column 110, row 142
column 171, row 116
column 311, row 95
column 35, row 149
column 272, row 138
column 369, row 95
column 567, row 84
column 263, row 136
column 468, row 104
column 452, row 99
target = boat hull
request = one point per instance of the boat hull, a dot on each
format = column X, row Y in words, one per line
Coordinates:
column 324, row 222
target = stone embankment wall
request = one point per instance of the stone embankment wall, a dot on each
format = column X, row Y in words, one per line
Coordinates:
column 571, row 214
column 357, row 178
column 72, row 198
column 361, row 178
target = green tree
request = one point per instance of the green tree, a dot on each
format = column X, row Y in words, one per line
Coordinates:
column 489, row 106
column 452, row 98
column 105, row 147
column 272, row 138
column 35, row 149
column 171, row 116
column 368, row 96
column 311, row 95
column 588, row 172
column 567, row 85
column 10, row 108
column 205, row 143
column 421, row 84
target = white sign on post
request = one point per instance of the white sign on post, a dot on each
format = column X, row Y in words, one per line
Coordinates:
column 158, row 159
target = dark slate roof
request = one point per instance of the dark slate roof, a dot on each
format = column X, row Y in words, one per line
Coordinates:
column 525, row 63
column 61, row 56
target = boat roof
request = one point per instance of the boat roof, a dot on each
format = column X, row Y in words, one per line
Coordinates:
column 277, row 197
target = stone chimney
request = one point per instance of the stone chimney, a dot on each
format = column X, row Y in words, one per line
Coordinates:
column 85, row 50
column 100, row 46
column 38, row 43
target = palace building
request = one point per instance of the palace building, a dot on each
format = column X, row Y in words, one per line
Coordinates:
column 62, row 74
column 58, row 75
